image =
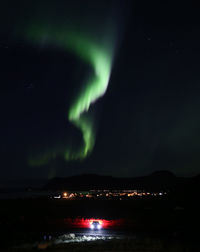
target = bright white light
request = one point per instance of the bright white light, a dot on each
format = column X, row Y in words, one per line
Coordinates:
column 57, row 197
column 99, row 226
column 92, row 226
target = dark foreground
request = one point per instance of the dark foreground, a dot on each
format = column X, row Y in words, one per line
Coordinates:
column 133, row 225
column 139, row 244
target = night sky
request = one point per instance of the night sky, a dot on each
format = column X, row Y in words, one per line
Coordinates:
column 106, row 87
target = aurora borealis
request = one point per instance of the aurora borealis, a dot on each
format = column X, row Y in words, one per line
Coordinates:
column 100, row 58
column 107, row 87
column 101, row 61
column 98, row 55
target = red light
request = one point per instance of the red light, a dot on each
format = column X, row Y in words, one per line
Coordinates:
column 85, row 223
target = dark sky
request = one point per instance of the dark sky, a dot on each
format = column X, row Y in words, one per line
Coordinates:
column 148, row 120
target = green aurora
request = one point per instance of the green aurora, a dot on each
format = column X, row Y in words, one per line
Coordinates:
column 99, row 56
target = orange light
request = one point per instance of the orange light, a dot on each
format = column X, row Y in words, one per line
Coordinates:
column 100, row 221
column 65, row 194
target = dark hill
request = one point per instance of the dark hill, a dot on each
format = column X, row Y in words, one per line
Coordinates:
column 161, row 180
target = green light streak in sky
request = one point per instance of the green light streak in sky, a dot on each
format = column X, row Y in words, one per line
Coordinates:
column 95, row 87
column 100, row 60
column 99, row 57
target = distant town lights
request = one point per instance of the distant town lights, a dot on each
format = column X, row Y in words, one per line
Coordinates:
column 109, row 194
